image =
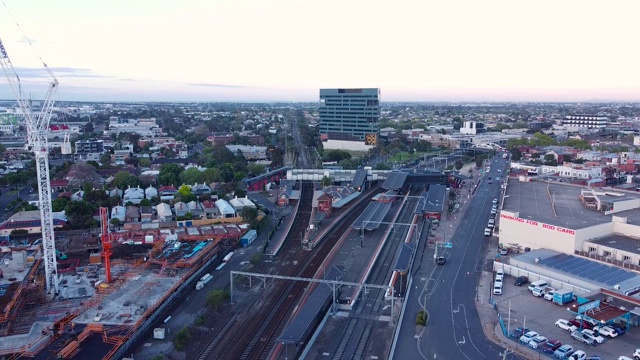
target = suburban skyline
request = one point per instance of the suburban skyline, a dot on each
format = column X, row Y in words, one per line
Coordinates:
column 286, row 50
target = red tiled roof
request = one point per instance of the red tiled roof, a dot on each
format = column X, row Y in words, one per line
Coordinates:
column 59, row 183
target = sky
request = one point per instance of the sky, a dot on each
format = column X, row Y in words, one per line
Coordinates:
column 286, row 50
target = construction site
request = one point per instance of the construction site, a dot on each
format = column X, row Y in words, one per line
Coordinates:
column 105, row 293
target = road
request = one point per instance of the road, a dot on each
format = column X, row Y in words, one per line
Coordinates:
column 454, row 330
column 8, row 196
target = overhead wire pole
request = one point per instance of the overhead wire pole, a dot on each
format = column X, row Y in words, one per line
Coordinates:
column 38, row 143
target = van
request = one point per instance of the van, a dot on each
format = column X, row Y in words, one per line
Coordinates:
column 538, row 284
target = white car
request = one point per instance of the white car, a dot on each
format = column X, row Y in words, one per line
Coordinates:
column 636, row 354
column 528, row 336
column 590, row 333
column 549, row 295
column 487, row 232
column 537, row 341
column 565, row 325
column 578, row 355
column 497, row 288
column 606, row 331
column 495, row 201
column 492, row 221
column 490, row 225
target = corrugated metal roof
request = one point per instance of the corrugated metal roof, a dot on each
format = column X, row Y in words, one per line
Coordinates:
column 395, row 181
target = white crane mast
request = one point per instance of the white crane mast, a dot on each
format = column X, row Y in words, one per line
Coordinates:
column 38, row 143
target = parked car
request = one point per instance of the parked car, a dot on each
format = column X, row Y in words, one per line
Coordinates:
column 551, row 346
column 497, row 288
column 490, row 225
column 578, row 355
column 592, row 334
column 583, row 338
column 487, row 232
column 636, row 354
column 495, row 201
column 500, row 272
column 521, row 280
column 528, row 336
column 580, row 324
column 618, row 328
column 606, row 331
column 566, row 325
column 492, row 221
column 563, row 351
column 537, row 341
column 549, row 295
column 518, row 332
column 504, row 250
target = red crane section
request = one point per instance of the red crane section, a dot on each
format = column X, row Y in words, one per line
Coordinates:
column 105, row 238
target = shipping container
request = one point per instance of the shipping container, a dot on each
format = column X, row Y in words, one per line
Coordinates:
column 562, row 297
column 248, row 238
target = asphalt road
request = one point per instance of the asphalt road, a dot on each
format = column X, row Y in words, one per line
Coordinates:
column 454, row 330
column 8, row 196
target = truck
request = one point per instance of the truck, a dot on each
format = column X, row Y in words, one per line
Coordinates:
column 562, row 297
column 203, row 281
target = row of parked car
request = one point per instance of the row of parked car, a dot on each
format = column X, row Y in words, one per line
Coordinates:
column 492, row 220
column 555, row 347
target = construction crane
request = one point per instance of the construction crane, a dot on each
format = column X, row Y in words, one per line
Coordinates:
column 105, row 238
column 37, row 142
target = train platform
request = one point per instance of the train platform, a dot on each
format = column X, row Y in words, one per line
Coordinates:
column 356, row 255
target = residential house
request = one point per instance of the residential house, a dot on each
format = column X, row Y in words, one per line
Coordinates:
column 241, row 203
column 225, row 209
column 210, row 209
column 167, row 193
column 196, row 210
column 133, row 195
column 133, row 214
column 150, row 192
column 200, row 189
column 118, row 212
column 147, row 214
column 115, row 192
column 119, row 156
column 180, row 209
column 59, row 185
column 164, row 212
column 77, row 196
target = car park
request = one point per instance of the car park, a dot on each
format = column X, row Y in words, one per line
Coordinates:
column 597, row 338
column 583, row 338
column 565, row 325
column 563, row 351
column 528, row 336
column 537, row 341
column 550, row 346
column 441, row 260
column 578, row 355
column 520, row 280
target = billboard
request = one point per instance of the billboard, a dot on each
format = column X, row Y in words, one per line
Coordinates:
column 371, row 139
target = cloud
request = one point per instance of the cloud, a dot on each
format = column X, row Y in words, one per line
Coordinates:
column 226, row 86
column 66, row 72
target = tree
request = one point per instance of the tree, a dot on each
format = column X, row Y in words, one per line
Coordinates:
column 59, row 203
column 185, row 195
column 458, row 164
column 124, row 179
column 145, row 202
column 516, row 154
column 249, row 214
column 80, row 214
column 211, row 175
column 336, row 155
column 215, row 298
column 550, row 160
column 191, row 176
column 382, row 166
column 144, row 162
column 81, row 173
column 169, row 174
column 115, row 222
column 255, row 169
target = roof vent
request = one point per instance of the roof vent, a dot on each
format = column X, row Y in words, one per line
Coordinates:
column 617, row 287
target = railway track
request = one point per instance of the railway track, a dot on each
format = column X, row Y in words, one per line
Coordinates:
column 252, row 335
column 357, row 333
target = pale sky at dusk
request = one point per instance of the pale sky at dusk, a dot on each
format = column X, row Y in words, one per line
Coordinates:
column 285, row 50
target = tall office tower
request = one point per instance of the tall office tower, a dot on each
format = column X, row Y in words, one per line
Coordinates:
column 350, row 115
